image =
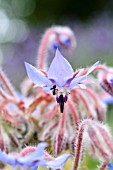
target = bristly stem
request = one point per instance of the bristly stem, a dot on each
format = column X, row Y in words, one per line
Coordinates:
column 75, row 116
column 83, row 99
column 8, row 85
column 6, row 98
column 43, row 47
column 35, row 102
column 103, row 165
column 78, row 144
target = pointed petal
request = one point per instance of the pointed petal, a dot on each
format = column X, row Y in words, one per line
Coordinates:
column 79, row 79
column 76, row 80
column 92, row 67
column 36, row 76
column 7, row 158
column 58, row 162
column 34, row 156
column 60, row 70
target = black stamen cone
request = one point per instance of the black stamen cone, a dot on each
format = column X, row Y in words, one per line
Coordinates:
column 61, row 103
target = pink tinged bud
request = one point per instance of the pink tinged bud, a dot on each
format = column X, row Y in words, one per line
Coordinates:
column 100, row 141
column 79, row 144
column 107, row 83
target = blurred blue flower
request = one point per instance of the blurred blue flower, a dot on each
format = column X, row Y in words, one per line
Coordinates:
column 110, row 166
column 56, row 45
column 64, row 41
column 108, row 100
column 60, row 78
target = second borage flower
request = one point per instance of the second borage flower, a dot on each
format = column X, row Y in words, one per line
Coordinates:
column 60, row 79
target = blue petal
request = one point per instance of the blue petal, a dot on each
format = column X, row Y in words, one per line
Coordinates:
column 47, row 90
column 79, row 79
column 34, row 156
column 92, row 67
column 60, row 70
column 40, row 163
column 110, row 166
column 58, row 162
column 36, row 76
column 76, row 80
column 7, row 158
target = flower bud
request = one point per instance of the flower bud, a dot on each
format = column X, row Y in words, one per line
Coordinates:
column 100, row 140
column 106, row 81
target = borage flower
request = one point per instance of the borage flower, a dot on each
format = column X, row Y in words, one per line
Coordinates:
column 33, row 158
column 16, row 159
column 60, row 79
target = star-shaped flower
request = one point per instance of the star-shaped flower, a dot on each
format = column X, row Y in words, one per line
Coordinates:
column 59, row 80
column 34, row 159
column 28, row 160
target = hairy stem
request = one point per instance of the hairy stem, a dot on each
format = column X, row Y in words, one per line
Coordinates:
column 43, row 47
column 78, row 144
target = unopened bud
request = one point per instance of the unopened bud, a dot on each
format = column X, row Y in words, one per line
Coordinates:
column 100, row 140
column 107, row 82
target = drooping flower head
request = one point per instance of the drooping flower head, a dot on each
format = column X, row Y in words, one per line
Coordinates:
column 60, row 79
column 106, row 80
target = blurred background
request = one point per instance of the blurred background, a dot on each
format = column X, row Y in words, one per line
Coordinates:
column 23, row 22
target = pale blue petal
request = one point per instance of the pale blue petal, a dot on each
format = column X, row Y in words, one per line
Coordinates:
column 58, row 162
column 110, row 166
column 47, row 90
column 79, row 79
column 7, row 158
column 93, row 67
column 60, row 70
column 76, row 80
column 34, row 156
column 36, row 76
column 40, row 163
